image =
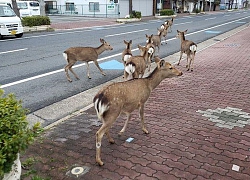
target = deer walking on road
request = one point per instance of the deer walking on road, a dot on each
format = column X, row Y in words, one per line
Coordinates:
column 125, row 97
column 85, row 54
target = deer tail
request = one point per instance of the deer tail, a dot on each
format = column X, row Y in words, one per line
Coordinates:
column 193, row 47
column 126, row 57
column 65, row 56
column 130, row 68
column 101, row 105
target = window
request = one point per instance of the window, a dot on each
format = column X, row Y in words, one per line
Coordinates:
column 94, row 6
column 70, row 7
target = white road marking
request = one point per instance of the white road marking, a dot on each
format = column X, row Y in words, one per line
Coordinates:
column 5, row 52
column 210, row 18
column 111, row 35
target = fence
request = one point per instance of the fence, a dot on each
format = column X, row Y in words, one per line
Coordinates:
column 93, row 10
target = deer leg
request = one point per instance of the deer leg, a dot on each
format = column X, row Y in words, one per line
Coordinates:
column 97, row 65
column 110, row 139
column 188, row 62
column 125, row 125
column 141, row 110
column 69, row 67
column 181, row 53
column 88, row 70
column 99, row 135
column 192, row 63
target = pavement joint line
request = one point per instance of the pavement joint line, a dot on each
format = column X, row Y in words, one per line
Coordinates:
column 222, row 37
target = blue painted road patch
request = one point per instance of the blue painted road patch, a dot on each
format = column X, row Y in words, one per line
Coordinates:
column 113, row 64
column 213, row 32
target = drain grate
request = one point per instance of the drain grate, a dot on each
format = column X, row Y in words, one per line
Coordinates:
column 228, row 117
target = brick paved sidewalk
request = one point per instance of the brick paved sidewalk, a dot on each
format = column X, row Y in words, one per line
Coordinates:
column 199, row 127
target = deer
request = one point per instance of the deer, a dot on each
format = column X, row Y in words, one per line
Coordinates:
column 126, row 53
column 187, row 47
column 126, row 96
column 156, row 39
column 170, row 23
column 151, row 51
column 85, row 54
column 165, row 31
column 136, row 65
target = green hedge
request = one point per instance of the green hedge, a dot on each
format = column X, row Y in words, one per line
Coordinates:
column 166, row 12
column 35, row 21
column 135, row 14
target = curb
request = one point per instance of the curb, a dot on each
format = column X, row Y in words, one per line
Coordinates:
column 42, row 28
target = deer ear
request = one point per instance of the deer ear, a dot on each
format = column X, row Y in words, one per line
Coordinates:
column 130, row 41
column 157, row 59
column 102, row 40
column 162, row 63
column 185, row 31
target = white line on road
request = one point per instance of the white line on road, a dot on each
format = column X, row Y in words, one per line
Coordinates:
column 118, row 54
column 5, row 52
column 111, row 35
column 210, row 18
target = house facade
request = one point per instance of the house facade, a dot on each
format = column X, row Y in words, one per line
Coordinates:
column 118, row 8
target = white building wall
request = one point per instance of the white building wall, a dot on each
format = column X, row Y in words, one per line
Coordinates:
column 145, row 6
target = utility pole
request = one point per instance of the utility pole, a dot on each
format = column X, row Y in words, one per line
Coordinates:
column 42, row 7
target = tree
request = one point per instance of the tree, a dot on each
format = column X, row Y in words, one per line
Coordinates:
column 15, row 8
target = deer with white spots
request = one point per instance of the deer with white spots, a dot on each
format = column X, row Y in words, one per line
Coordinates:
column 85, row 54
column 187, row 47
column 124, row 97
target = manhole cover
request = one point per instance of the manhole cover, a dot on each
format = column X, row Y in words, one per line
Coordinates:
column 78, row 171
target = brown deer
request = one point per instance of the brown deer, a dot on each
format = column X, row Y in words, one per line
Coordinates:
column 151, row 48
column 85, row 54
column 165, row 28
column 136, row 65
column 125, row 97
column 156, row 39
column 187, row 47
column 170, row 23
column 127, row 53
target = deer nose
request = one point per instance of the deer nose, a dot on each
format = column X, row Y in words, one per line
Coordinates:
column 180, row 73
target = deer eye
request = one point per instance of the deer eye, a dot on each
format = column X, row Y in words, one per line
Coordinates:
column 170, row 68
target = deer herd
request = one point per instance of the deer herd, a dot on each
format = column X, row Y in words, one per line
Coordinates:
column 133, row 92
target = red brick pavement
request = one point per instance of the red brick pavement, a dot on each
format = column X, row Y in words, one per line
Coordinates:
column 182, row 144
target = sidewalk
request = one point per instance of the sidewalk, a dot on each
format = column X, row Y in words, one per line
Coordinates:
column 199, row 127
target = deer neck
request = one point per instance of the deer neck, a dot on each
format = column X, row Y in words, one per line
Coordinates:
column 182, row 38
column 154, row 79
column 100, row 49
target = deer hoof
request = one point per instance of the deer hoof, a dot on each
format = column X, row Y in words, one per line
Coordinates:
column 145, row 131
column 187, row 69
column 192, row 70
column 178, row 64
column 111, row 141
column 100, row 163
column 89, row 77
column 120, row 134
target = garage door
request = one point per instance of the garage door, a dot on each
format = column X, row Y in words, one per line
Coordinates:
column 123, row 8
column 145, row 6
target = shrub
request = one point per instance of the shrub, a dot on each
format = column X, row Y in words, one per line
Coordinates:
column 135, row 14
column 35, row 21
column 166, row 12
column 15, row 134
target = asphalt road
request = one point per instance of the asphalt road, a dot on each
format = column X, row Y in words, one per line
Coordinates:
column 32, row 67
